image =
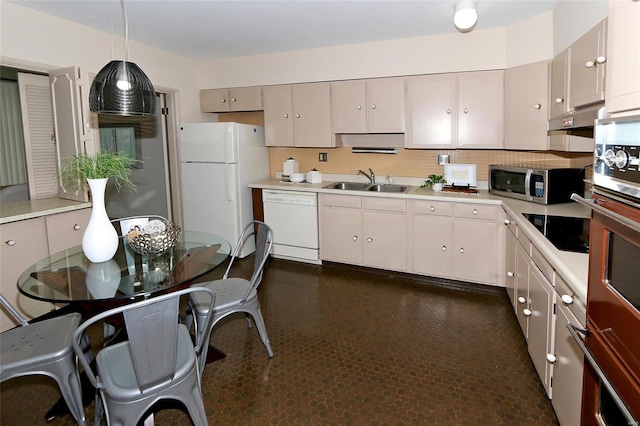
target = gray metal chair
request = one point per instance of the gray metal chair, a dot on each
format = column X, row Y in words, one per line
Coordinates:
column 159, row 361
column 43, row 348
column 235, row 294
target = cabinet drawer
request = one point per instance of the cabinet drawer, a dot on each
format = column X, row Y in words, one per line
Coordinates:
column 435, row 208
column 511, row 224
column 384, row 204
column 542, row 263
column 567, row 297
column 524, row 241
column 476, row 211
column 352, row 201
column 65, row 230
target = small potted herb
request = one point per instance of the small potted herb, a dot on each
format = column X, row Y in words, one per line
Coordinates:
column 436, row 182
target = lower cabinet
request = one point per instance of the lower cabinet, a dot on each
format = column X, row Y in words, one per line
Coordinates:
column 24, row 243
column 368, row 231
column 539, row 314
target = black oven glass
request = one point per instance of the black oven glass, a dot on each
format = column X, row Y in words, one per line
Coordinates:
column 622, row 268
column 608, row 409
column 508, row 181
column 565, row 233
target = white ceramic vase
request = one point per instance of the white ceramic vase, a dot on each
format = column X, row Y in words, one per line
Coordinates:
column 438, row 187
column 100, row 239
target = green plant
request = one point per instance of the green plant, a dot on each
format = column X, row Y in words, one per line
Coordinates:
column 75, row 170
column 431, row 179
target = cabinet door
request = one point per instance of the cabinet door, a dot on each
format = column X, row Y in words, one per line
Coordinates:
column 541, row 299
column 510, row 267
column 623, row 57
column 475, row 250
column 566, row 394
column 480, row 106
column 65, row 230
column 312, row 115
column 522, row 288
column 558, row 101
column 586, row 75
column 432, row 111
column 432, row 245
column 348, row 107
column 278, row 116
column 214, row 100
column 385, row 240
column 23, row 244
column 385, row 105
column 245, row 99
column 340, row 239
column 526, row 106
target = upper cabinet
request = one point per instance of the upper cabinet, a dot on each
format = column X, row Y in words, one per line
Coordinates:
column 368, row 106
column 462, row 110
column 559, row 85
column 623, row 52
column 526, row 106
column 230, row 100
column 298, row 115
column 587, row 67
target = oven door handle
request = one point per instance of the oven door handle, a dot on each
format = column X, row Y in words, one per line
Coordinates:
column 606, row 212
column 574, row 330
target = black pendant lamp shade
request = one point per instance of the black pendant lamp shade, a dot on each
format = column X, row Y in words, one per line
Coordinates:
column 122, row 88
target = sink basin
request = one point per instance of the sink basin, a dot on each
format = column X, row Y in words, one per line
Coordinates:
column 387, row 188
column 352, row 186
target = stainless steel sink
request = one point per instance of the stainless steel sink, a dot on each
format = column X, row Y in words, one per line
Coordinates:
column 387, row 188
column 351, row 186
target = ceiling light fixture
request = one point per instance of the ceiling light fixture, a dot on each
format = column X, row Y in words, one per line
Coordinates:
column 121, row 87
column 465, row 16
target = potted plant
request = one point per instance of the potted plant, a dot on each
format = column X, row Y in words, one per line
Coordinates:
column 100, row 239
column 436, row 182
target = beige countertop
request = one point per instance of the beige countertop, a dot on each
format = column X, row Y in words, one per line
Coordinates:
column 572, row 267
column 21, row 210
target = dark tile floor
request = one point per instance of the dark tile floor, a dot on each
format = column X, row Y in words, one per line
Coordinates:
column 354, row 346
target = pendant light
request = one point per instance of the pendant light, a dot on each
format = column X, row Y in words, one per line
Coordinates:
column 465, row 16
column 121, row 87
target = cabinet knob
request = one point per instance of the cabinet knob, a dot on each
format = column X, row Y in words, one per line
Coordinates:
column 475, row 212
column 297, row 115
column 286, row 116
column 223, row 100
column 510, row 274
column 537, row 106
column 527, row 312
column 601, row 59
column 76, row 227
column 567, row 299
column 355, row 238
column 444, row 248
column 507, row 222
column 559, row 100
column 373, row 106
column 448, row 110
column 10, row 242
column 233, row 99
column 552, row 358
column 522, row 300
column 359, row 107
column 466, row 110
column 461, row 249
column 369, row 239
column 433, row 209
column 589, row 64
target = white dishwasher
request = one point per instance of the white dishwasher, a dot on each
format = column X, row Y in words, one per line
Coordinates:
column 293, row 216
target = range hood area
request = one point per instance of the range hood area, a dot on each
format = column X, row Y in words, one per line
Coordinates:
column 581, row 118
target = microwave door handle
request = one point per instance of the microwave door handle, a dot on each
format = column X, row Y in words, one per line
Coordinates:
column 574, row 330
column 606, row 212
column 527, row 183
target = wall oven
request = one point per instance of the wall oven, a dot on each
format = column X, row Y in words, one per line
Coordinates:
column 611, row 340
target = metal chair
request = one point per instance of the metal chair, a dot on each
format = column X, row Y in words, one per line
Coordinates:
column 43, row 348
column 159, row 361
column 235, row 294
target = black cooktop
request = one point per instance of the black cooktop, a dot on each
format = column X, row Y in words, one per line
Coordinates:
column 565, row 233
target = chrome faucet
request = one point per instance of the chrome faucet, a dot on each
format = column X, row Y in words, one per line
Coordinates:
column 371, row 177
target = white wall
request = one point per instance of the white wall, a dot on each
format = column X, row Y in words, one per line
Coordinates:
column 529, row 41
column 27, row 36
column 571, row 19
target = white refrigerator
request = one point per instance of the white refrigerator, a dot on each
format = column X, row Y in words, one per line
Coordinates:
column 217, row 162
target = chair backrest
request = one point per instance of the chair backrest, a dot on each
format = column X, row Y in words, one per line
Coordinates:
column 264, row 241
column 127, row 223
column 13, row 311
column 152, row 327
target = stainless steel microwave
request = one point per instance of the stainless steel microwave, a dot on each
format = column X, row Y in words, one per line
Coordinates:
column 543, row 185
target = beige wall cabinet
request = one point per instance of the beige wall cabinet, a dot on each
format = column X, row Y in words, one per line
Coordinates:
column 231, row 100
column 463, row 110
column 432, row 240
column 526, row 106
column 623, row 53
column 368, row 106
column 559, row 85
column 587, row 67
column 369, row 231
column 298, row 115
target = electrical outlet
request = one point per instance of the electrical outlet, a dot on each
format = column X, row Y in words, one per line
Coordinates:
column 323, row 156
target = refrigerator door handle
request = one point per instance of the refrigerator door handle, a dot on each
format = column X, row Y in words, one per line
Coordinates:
column 229, row 181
